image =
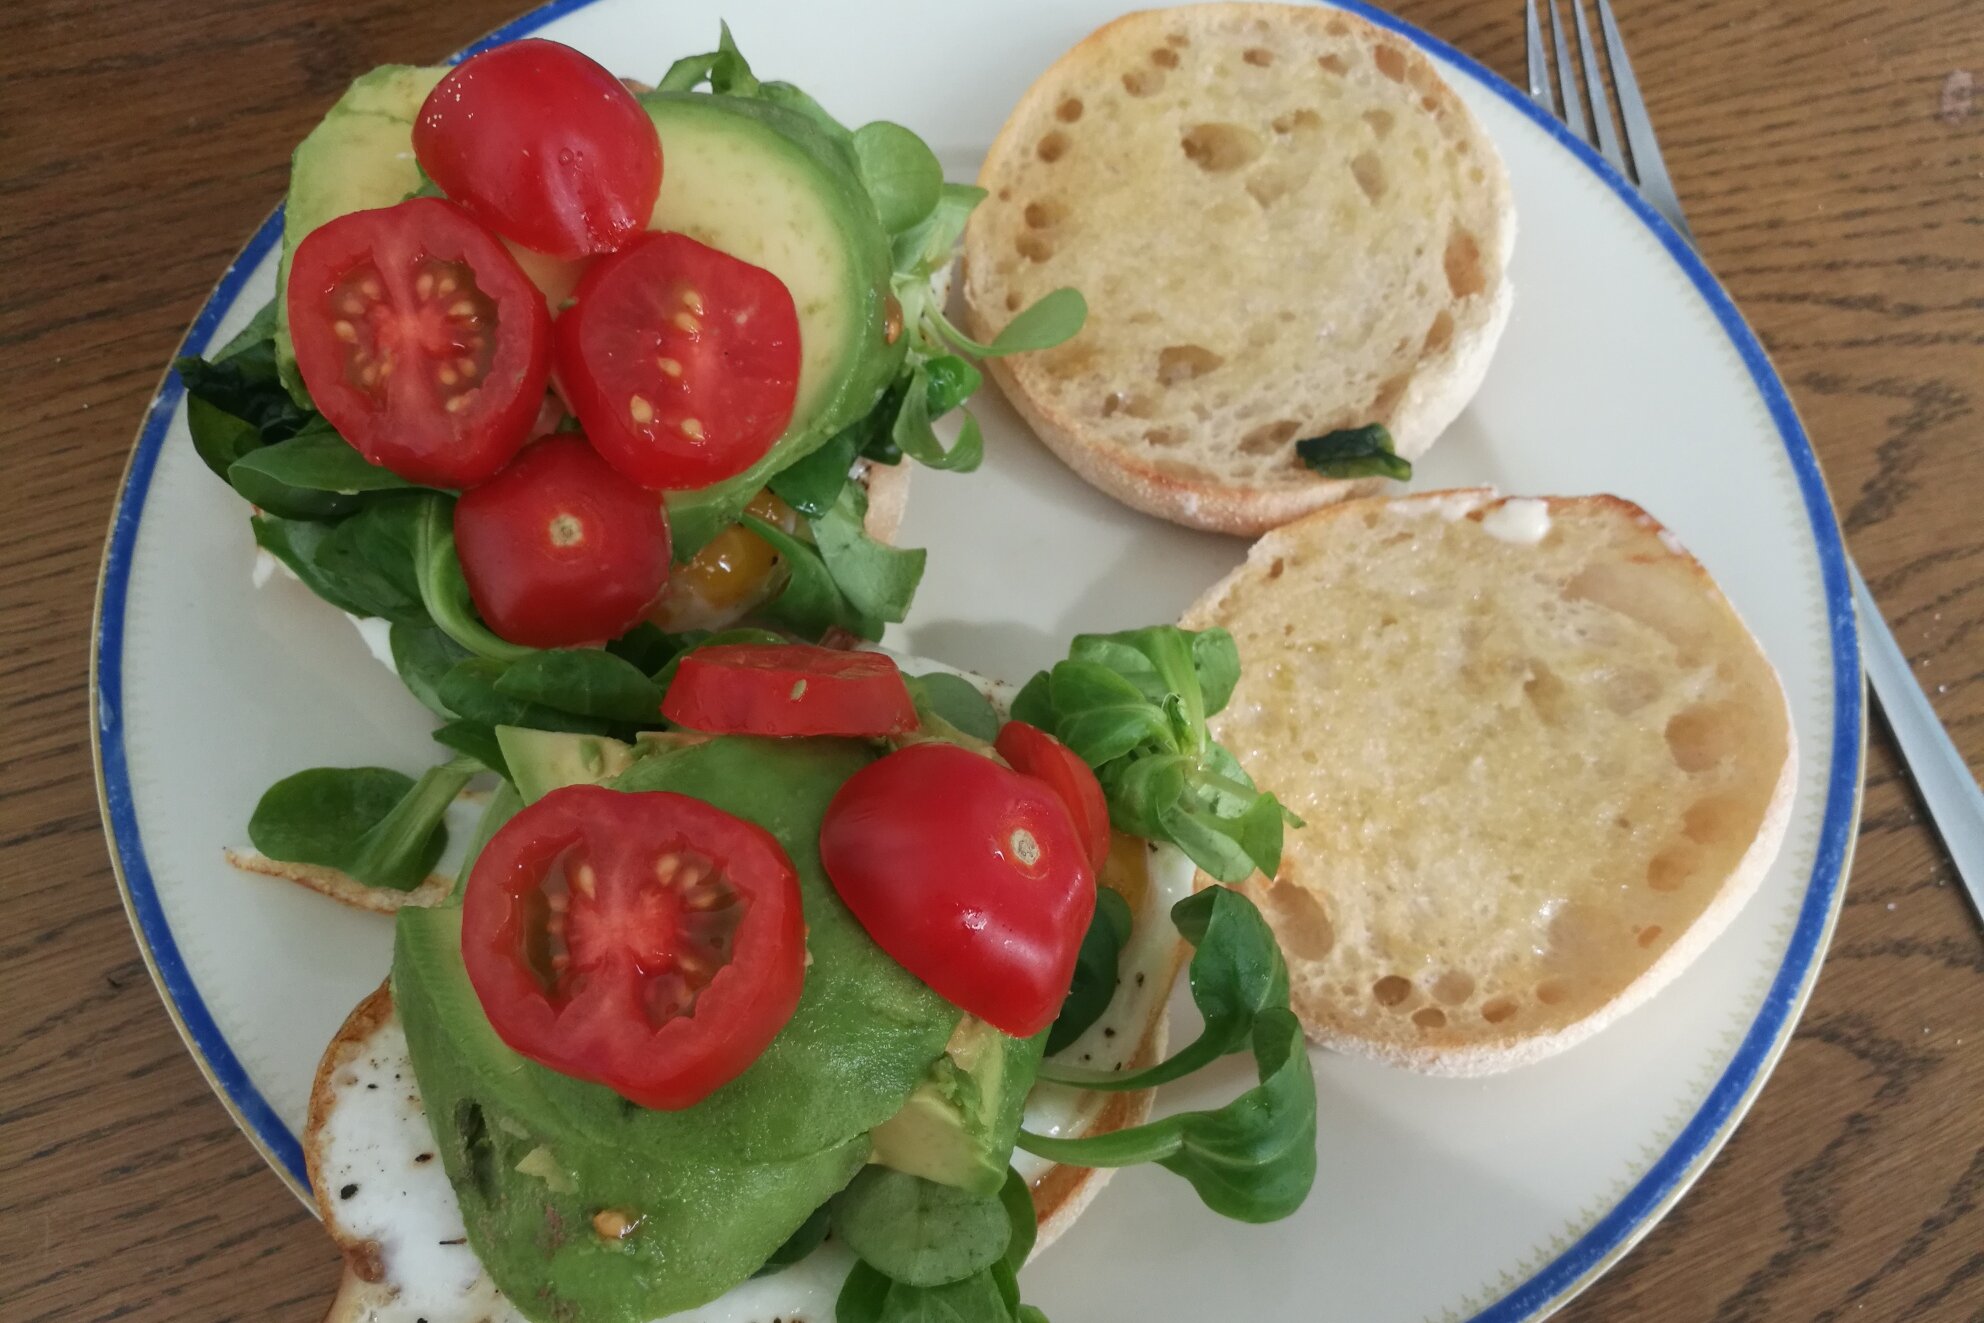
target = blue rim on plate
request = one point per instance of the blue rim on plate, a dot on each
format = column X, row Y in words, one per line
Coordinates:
column 1550, row 1284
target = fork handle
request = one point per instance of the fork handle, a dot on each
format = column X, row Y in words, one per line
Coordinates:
column 1950, row 791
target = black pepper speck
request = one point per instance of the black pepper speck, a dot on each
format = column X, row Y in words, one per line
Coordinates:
column 348, row 1191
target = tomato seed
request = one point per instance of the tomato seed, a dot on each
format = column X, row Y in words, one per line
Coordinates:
column 587, row 881
column 640, row 410
column 614, row 1224
column 447, row 376
column 424, row 286
column 685, row 322
column 664, row 869
column 669, row 367
column 692, row 428
column 692, row 301
column 345, row 331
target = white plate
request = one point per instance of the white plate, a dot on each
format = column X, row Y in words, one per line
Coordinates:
column 1625, row 369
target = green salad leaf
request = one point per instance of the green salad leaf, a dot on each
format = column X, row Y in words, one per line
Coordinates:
column 235, row 401
column 918, row 1232
column 1094, row 983
column 990, row 1294
column 812, row 602
column 956, row 702
column 1054, row 318
column 375, row 825
column 443, row 590
column 588, row 682
column 422, row 654
column 1237, row 972
column 813, row 484
column 477, row 740
column 473, row 690
column 901, row 174
column 1354, row 452
column 1134, row 705
column 877, row 580
column 809, row 1237
column 314, row 474
column 1255, row 1158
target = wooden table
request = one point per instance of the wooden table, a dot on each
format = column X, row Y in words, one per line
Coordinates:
column 1831, row 156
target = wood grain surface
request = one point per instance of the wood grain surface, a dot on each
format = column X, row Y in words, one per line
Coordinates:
column 1830, row 154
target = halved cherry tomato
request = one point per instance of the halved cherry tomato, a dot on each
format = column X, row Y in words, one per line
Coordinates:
column 420, row 339
column 544, row 145
column 972, row 876
column 559, row 550
column 1033, row 752
column 681, row 361
column 646, row 941
column 789, row 689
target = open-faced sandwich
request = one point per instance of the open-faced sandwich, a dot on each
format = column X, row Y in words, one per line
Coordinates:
column 755, row 1010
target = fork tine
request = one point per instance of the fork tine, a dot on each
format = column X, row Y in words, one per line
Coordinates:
column 1567, row 78
column 1540, row 90
column 1594, row 83
column 1647, row 164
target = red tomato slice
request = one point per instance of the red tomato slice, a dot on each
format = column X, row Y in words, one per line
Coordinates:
column 544, row 146
column 420, row 339
column 559, row 550
column 972, row 876
column 646, row 941
column 681, row 361
column 789, row 689
column 1033, row 752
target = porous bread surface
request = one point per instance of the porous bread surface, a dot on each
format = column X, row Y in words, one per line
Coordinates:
column 1284, row 223
column 1537, row 777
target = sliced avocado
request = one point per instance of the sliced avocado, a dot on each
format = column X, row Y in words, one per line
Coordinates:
column 762, row 183
column 541, row 761
column 708, row 1193
column 960, row 1121
column 358, row 157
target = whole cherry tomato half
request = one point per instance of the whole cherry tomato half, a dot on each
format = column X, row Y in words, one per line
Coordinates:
column 559, row 550
column 681, row 361
column 1033, row 752
column 646, row 941
column 789, row 689
column 544, row 145
column 972, row 876
column 420, row 338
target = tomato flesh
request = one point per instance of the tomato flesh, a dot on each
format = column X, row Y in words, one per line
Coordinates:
column 544, row 146
column 421, row 340
column 1032, row 752
column 789, row 689
column 681, row 361
column 559, row 550
column 969, row 874
column 646, row 941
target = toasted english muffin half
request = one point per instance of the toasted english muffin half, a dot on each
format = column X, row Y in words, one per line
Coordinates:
column 379, row 1186
column 1284, row 222
column 1541, row 763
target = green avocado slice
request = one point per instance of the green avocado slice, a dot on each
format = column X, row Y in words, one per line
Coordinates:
column 710, row 1191
column 359, row 156
column 762, row 183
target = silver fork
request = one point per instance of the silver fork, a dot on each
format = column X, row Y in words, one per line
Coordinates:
column 1950, row 792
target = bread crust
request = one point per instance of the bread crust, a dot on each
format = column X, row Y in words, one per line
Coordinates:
column 1425, row 401
column 1450, row 1051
